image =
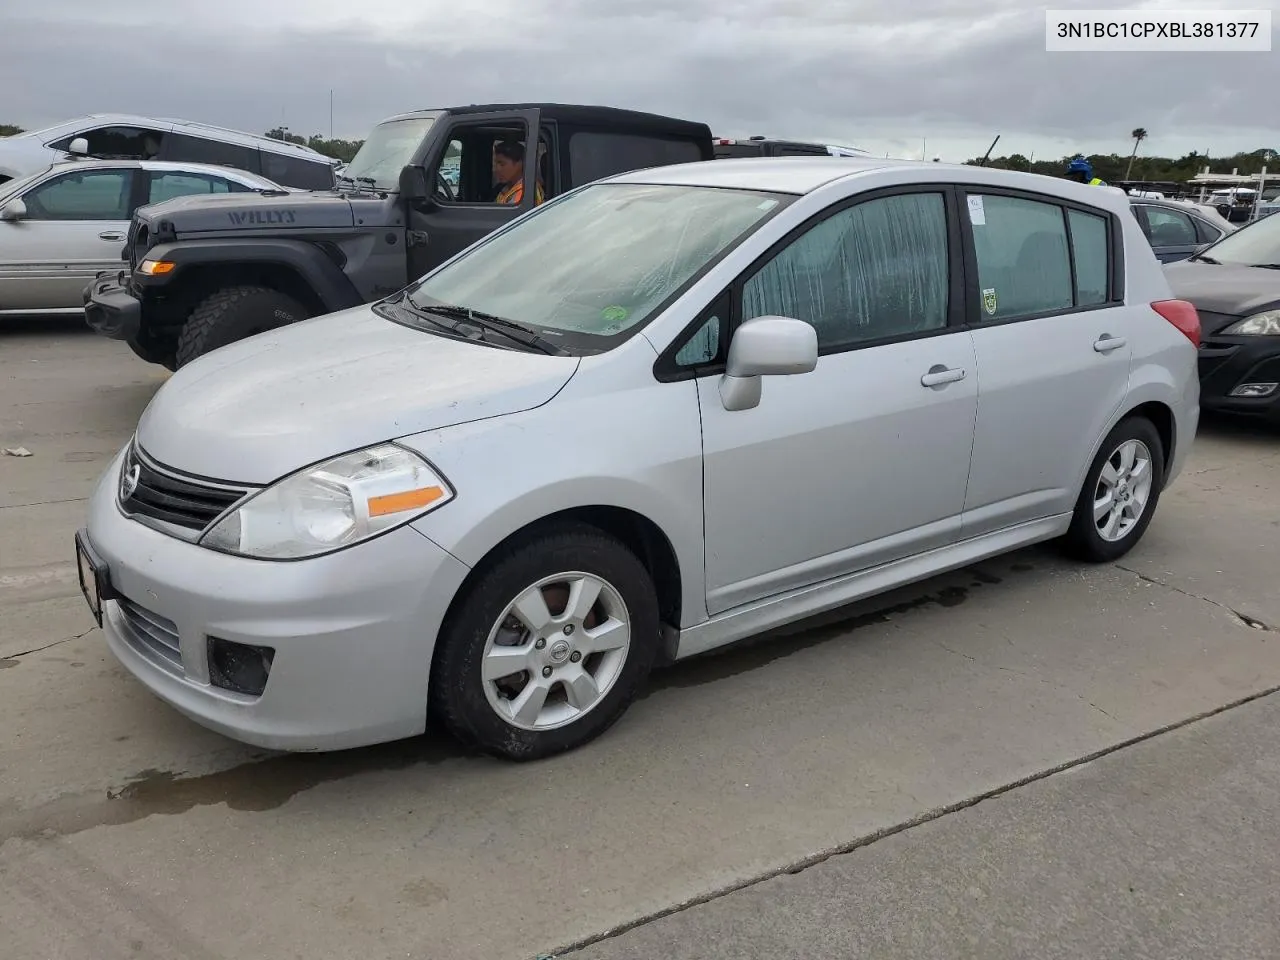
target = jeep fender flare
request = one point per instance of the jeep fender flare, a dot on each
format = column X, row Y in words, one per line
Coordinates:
column 325, row 278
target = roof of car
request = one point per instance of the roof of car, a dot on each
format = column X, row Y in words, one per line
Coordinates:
column 800, row 175
column 585, row 115
column 773, row 174
column 223, row 134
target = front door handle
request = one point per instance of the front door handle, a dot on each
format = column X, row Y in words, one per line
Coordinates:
column 1106, row 343
column 111, row 235
column 938, row 375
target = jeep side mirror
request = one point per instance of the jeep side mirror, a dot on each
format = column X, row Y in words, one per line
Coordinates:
column 766, row 347
column 79, row 146
column 413, row 184
column 13, row 211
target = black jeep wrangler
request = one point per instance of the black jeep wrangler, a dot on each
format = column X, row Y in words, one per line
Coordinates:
column 206, row 271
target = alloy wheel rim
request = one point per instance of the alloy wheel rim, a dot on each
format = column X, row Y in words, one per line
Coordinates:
column 556, row 651
column 1123, row 491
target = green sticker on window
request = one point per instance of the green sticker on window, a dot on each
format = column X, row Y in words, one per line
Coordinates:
column 614, row 314
column 989, row 300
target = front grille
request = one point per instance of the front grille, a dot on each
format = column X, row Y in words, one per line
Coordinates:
column 148, row 490
column 151, row 633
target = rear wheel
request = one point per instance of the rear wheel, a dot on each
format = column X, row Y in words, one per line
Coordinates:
column 234, row 313
column 548, row 647
column 1120, row 493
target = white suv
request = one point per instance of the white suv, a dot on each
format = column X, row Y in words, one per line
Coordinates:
column 124, row 137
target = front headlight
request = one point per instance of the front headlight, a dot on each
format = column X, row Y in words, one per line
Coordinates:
column 1265, row 324
column 332, row 505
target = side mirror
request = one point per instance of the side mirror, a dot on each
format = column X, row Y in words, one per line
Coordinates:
column 13, row 211
column 413, row 184
column 766, row 347
column 79, row 146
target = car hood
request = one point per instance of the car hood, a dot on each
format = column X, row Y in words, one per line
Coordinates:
column 1224, row 288
column 223, row 212
column 258, row 409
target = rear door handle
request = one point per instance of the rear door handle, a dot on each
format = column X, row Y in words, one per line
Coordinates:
column 110, row 235
column 938, row 375
column 1106, row 343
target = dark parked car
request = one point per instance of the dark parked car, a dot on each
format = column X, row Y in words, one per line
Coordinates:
column 1176, row 229
column 1235, row 286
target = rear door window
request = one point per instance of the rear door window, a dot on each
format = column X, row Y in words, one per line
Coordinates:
column 296, row 171
column 595, row 155
column 188, row 149
column 1024, row 267
column 171, row 184
column 1169, row 228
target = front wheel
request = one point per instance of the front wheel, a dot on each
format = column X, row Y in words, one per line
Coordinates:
column 232, row 314
column 1120, row 493
column 548, row 647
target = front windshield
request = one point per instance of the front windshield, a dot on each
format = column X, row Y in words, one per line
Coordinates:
column 599, row 262
column 1254, row 245
column 389, row 148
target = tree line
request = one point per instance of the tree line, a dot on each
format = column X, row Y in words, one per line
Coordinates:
column 1112, row 167
column 343, row 150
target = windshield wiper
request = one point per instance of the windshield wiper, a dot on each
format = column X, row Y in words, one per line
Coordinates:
column 488, row 321
column 1268, row 266
column 1203, row 259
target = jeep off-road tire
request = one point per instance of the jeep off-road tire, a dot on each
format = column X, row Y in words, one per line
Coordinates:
column 232, row 314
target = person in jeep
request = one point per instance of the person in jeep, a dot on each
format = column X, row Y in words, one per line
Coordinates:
column 508, row 172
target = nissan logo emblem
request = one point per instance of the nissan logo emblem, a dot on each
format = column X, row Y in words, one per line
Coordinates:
column 129, row 481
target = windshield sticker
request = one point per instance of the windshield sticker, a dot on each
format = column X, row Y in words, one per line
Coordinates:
column 989, row 300
column 614, row 314
column 977, row 213
column 767, row 204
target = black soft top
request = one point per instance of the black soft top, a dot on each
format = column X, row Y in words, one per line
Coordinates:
column 590, row 116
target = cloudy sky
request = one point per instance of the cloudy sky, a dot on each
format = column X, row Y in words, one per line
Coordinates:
column 859, row 72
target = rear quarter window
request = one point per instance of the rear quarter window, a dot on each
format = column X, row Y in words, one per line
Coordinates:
column 596, row 155
column 296, row 171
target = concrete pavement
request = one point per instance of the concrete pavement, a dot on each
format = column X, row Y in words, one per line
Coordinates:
column 1165, row 850
column 127, row 831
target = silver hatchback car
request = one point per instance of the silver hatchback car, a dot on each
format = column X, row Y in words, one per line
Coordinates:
column 656, row 415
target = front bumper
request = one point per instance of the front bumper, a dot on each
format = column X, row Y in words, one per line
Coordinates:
column 1227, row 362
column 110, row 309
column 353, row 632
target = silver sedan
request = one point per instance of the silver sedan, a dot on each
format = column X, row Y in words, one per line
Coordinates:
column 63, row 225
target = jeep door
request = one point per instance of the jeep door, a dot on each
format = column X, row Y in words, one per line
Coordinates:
column 74, row 227
column 458, row 158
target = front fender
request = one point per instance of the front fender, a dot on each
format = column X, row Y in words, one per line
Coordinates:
column 325, row 278
column 589, row 451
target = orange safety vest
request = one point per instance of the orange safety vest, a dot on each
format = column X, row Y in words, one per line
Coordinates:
column 515, row 194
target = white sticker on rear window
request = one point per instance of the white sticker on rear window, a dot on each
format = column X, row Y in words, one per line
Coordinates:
column 977, row 214
column 768, row 204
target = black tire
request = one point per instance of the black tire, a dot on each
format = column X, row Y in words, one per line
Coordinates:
column 1083, row 540
column 232, row 314
column 457, row 690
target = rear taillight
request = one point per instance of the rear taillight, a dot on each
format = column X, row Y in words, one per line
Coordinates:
column 1182, row 315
